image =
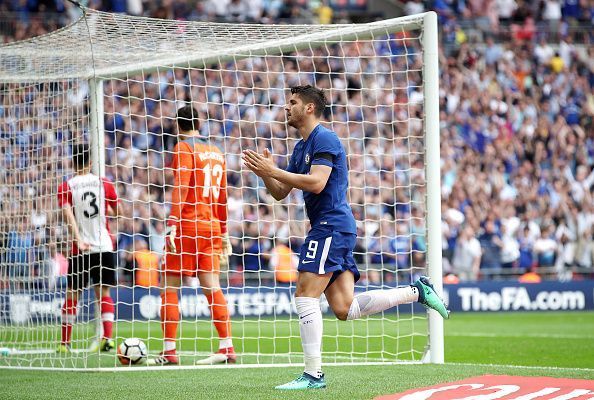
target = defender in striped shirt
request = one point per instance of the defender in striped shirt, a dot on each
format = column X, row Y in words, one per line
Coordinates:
column 86, row 200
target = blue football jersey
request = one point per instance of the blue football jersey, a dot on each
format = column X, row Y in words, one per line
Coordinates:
column 329, row 209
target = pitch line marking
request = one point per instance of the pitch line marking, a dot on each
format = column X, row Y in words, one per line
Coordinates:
column 520, row 335
column 524, row 367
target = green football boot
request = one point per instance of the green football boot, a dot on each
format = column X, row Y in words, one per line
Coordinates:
column 63, row 349
column 429, row 298
column 305, row 381
column 107, row 344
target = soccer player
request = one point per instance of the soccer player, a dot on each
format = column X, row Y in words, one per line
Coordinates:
column 86, row 199
column 197, row 236
column 318, row 166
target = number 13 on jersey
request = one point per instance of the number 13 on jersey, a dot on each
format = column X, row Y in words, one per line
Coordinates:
column 212, row 173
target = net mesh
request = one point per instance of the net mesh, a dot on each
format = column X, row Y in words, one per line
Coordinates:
column 237, row 77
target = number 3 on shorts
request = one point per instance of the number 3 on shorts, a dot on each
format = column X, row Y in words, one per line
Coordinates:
column 312, row 248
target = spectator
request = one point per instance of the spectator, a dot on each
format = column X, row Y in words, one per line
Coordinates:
column 467, row 256
column 284, row 263
column 510, row 248
column 19, row 255
column 491, row 244
column 255, row 250
column 414, row 7
column 543, row 52
column 142, row 265
column 557, row 64
column 505, row 9
column 493, row 52
column 237, row 10
column 545, row 248
column 526, row 243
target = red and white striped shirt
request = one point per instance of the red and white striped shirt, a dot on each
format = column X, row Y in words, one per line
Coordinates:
column 89, row 196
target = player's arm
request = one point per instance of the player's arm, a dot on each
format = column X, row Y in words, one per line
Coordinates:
column 315, row 182
column 222, row 215
column 264, row 167
column 114, row 208
column 73, row 228
column 65, row 202
column 277, row 189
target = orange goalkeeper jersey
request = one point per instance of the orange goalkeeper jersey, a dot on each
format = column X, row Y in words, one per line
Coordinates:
column 199, row 198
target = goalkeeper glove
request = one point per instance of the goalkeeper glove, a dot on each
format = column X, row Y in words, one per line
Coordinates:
column 170, row 234
column 227, row 250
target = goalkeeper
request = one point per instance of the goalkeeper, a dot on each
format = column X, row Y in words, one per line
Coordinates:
column 318, row 166
column 197, row 238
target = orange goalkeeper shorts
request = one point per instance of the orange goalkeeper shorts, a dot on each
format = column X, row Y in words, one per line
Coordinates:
column 194, row 254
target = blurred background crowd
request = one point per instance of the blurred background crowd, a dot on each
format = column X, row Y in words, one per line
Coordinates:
column 517, row 141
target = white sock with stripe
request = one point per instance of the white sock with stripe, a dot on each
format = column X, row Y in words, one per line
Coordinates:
column 375, row 301
column 310, row 327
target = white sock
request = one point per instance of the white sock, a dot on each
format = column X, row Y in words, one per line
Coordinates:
column 169, row 345
column 375, row 301
column 310, row 327
column 225, row 343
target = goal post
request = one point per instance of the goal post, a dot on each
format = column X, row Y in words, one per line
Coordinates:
column 432, row 163
column 115, row 82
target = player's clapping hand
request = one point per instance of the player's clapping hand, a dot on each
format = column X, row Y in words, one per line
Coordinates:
column 261, row 164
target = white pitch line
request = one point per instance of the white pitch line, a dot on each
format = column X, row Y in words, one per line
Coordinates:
column 524, row 367
column 285, row 365
column 136, row 368
column 521, row 335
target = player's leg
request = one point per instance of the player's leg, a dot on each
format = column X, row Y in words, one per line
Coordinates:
column 69, row 310
column 175, row 266
column 104, row 278
column 210, row 284
column 310, row 287
column 78, row 279
column 170, row 317
column 209, row 253
column 317, row 262
column 346, row 306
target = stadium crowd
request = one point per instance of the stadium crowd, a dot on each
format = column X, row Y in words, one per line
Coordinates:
column 517, row 143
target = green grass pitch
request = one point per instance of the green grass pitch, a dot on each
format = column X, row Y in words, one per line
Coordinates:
column 530, row 344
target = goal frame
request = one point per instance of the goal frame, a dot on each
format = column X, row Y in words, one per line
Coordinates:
column 434, row 353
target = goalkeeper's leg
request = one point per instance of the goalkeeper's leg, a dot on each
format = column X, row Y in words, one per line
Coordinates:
column 170, row 284
column 208, row 274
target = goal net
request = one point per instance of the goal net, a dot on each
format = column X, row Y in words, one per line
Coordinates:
column 116, row 81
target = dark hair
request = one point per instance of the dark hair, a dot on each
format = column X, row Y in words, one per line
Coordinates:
column 80, row 155
column 310, row 94
column 187, row 119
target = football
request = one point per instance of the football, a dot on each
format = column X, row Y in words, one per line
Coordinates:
column 132, row 351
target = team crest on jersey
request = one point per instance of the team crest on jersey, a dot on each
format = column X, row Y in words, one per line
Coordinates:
column 307, row 158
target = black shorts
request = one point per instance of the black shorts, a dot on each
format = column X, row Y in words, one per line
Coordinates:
column 95, row 268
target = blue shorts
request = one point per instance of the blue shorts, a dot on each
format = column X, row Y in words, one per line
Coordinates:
column 328, row 251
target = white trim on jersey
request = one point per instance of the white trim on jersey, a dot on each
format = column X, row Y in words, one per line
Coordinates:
column 89, row 206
